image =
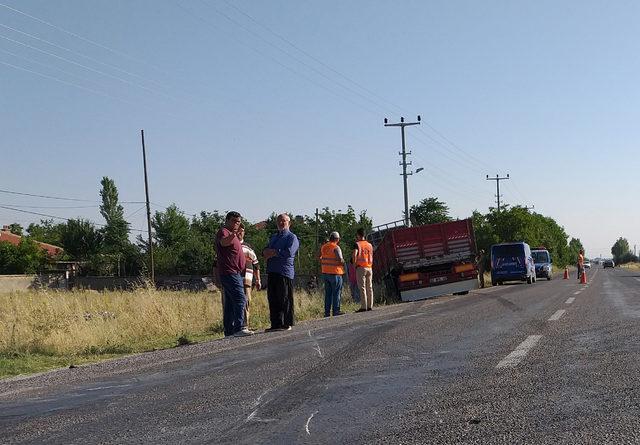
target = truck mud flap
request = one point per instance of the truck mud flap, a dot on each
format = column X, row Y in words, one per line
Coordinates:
column 436, row 291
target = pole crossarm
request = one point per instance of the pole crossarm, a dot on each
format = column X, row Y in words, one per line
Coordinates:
column 498, row 179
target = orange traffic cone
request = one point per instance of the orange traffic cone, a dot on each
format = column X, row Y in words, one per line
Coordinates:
column 583, row 277
column 566, row 273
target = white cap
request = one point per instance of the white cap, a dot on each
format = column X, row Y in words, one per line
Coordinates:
column 334, row 235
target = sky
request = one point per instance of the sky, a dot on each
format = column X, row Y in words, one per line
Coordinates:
column 277, row 106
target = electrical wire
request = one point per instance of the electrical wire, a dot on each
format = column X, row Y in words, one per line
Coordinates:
column 102, row 73
column 56, row 217
column 71, row 33
column 34, row 195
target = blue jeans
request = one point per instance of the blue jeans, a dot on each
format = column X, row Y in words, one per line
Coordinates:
column 332, row 289
column 234, row 303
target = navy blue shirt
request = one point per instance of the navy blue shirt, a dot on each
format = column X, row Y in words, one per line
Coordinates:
column 286, row 245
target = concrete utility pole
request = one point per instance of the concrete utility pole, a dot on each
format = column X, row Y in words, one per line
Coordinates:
column 497, row 179
column 146, row 191
column 404, row 162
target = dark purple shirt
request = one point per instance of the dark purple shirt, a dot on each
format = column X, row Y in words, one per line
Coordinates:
column 231, row 258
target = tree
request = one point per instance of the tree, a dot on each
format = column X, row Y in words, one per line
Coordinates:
column 46, row 232
column 16, row 229
column 429, row 211
column 27, row 257
column 80, row 239
column 619, row 249
column 116, row 230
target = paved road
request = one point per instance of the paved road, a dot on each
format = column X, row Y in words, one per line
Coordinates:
column 553, row 362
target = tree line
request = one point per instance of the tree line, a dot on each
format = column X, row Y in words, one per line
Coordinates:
column 184, row 244
column 622, row 252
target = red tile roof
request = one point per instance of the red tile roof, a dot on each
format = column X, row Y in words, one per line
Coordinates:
column 14, row 239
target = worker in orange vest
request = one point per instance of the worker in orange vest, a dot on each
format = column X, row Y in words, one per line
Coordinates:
column 580, row 263
column 363, row 260
column 332, row 267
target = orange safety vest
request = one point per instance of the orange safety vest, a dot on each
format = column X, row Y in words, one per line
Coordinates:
column 365, row 254
column 328, row 261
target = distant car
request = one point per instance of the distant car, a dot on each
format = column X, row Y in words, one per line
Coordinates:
column 587, row 264
column 608, row 263
column 542, row 261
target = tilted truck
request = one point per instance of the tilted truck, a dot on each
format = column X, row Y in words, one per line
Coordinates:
column 426, row 261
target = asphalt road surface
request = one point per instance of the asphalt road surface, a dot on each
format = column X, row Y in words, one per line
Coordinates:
column 553, row 362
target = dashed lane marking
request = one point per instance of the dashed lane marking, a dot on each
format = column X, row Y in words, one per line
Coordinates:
column 577, row 293
column 519, row 353
column 570, row 300
column 556, row 316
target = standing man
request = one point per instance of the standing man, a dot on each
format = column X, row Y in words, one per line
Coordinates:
column 480, row 258
column 580, row 263
column 252, row 270
column 280, row 253
column 332, row 267
column 231, row 266
column 363, row 259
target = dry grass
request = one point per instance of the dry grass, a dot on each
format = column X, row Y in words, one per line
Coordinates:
column 87, row 325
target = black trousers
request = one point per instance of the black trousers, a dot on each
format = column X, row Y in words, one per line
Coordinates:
column 280, row 296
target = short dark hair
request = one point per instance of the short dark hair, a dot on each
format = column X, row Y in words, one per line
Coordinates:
column 360, row 232
column 232, row 215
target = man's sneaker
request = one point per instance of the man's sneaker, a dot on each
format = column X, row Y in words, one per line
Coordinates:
column 284, row 328
column 370, row 309
column 361, row 310
column 338, row 313
column 244, row 332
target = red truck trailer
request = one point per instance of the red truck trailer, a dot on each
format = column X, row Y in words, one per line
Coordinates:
column 426, row 261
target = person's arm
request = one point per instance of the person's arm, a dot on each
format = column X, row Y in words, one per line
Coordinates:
column 269, row 251
column 338, row 252
column 289, row 249
column 354, row 255
column 226, row 241
column 256, row 273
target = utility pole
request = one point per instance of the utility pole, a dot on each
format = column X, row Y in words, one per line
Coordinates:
column 317, row 227
column 404, row 162
column 146, row 191
column 497, row 179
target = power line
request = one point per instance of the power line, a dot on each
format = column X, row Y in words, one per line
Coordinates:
column 13, row 192
column 451, row 143
column 53, row 207
column 71, row 33
column 120, row 79
column 86, row 57
column 288, row 68
column 57, row 217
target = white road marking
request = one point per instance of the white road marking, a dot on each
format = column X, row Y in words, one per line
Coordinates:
column 317, row 346
column 577, row 293
column 512, row 360
column 556, row 316
column 106, row 387
column 637, row 279
column 570, row 300
column 306, row 427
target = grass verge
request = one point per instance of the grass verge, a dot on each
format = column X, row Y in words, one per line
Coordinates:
column 46, row 330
